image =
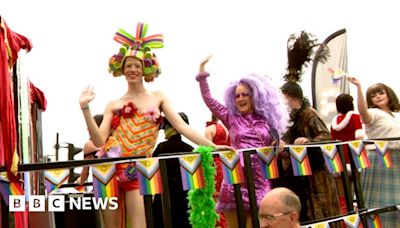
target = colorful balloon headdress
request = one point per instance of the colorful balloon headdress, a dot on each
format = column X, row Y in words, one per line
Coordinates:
column 139, row 47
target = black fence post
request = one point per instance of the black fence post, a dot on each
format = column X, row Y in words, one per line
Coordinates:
column 345, row 180
column 166, row 204
column 148, row 209
column 239, row 206
column 250, row 188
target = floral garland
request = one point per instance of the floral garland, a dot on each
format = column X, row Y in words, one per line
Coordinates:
column 201, row 202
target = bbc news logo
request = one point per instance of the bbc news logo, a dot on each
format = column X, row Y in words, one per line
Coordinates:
column 57, row 203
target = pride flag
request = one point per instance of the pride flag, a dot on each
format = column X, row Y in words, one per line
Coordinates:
column 300, row 162
column 14, row 188
column 353, row 221
column 104, row 181
column 359, row 154
column 332, row 158
column 191, row 172
column 10, row 189
column 383, row 154
column 54, row 178
column 231, row 167
column 374, row 221
column 336, row 74
column 320, row 225
column 149, row 176
column 268, row 162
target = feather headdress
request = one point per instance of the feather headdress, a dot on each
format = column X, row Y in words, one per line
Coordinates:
column 300, row 52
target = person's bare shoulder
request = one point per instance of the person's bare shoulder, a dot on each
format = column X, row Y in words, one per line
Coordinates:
column 161, row 98
column 159, row 94
column 114, row 105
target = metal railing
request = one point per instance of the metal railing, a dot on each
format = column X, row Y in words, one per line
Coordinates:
column 238, row 198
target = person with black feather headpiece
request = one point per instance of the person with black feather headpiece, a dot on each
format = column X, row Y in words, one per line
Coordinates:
column 318, row 193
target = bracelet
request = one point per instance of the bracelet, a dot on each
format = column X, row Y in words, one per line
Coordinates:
column 85, row 107
column 202, row 75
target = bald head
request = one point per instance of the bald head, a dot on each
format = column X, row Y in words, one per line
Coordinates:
column 286, row 197
column 280, row 207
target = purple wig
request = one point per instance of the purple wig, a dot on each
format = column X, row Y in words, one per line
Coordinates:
column 267, row 100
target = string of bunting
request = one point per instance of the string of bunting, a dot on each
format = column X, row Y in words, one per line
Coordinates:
column 149, row 176
column 354, row 220
column 78, row 163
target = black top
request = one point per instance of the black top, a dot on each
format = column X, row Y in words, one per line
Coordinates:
column 179, row 203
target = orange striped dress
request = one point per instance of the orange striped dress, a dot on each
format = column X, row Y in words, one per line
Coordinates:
column 135, row 133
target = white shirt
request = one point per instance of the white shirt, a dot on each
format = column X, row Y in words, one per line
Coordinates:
column 382, row 124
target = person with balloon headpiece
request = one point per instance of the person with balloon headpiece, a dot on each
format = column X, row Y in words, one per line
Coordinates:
column 131, row 123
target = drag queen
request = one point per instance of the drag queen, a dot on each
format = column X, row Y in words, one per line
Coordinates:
column 253, row 107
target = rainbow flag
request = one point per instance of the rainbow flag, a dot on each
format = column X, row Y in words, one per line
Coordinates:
column 383, row 154
column 231, row 167
column 191, row 172
column 104, row 181
column 353, row 221
column 332, row 158
column 374, row 221
column 320, row 225
column 268, row 162
column 14, row 188
column 10, row 189
column 54, row 178
column 300, row 163
column 359, row 154
column 336, row 74
column 149, row 176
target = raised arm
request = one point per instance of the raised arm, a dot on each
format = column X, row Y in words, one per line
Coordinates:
column 180, row 125
column 215, row 107
column 97, row 135
column 362, row 105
